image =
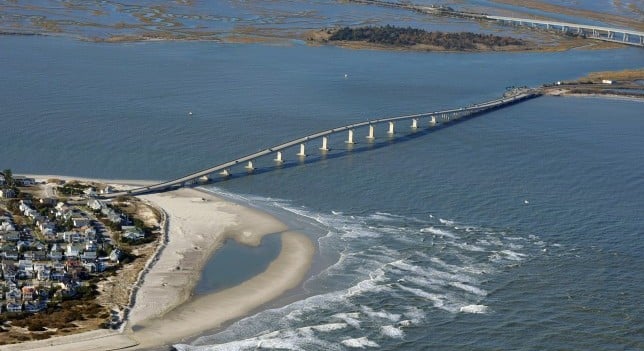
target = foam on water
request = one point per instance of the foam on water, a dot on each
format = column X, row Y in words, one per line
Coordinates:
column 380, row 314
column 351, row 319
column 359, row 343
column 446, row 221
column 388, row 274
column 438, row 231
column 392, row 332
column 329, row 327
column 471, row 289
column 474, row 309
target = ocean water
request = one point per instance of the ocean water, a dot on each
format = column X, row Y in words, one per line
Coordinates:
column 518, row 229
column 521, row 229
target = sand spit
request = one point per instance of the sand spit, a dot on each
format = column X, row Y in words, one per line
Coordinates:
column 198, row 223
column 211, row 311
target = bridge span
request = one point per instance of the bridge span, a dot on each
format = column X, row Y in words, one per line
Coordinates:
column 617, row 35
column 431, row 119
column 624, row 36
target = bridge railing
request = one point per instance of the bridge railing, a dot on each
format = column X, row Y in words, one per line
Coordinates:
column 444, row 115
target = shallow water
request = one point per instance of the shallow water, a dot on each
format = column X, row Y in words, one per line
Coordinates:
column 210, row 20
column 235, row 263
column 518, row 229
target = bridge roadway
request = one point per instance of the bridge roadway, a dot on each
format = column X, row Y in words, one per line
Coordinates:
column 596, row 31
column 434, row 118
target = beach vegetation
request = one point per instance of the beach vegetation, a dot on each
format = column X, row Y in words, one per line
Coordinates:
column 8, row 177
column 71, row 295
column 72, row 188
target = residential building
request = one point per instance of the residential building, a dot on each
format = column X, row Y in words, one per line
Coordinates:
column 7, row 193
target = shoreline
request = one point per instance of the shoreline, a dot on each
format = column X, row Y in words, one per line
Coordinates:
column 617, row 97
column 561, row 44
column 165, row 311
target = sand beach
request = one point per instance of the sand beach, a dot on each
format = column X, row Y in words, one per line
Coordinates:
column 164, row 309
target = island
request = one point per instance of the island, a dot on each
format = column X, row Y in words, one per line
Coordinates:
column 387, row 37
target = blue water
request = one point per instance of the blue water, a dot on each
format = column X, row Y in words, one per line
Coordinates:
column 519, row 229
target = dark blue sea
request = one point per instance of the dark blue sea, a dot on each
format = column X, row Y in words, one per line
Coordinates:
column 521, row 229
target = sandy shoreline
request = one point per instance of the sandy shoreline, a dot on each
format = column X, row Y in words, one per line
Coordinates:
column 198, row 223
column 567, row 93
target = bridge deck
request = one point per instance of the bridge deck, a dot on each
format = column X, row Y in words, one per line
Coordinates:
column 568, row 24
column 456, row 113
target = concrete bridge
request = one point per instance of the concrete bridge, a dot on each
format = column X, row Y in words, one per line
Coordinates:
column 617, row 35
column 429, row 119
column 624, row 36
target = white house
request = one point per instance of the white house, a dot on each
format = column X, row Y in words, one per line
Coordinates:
column 90, row 192
column 80, row 222
column 23, row 181
column 44, row 274
column 132, row 232
column 89, row 255
column 115, row 255
column 95, row 204
column 90, row 267
column 7, row 193
column 6, row 227
column 107, row 190
column 14, row 307
column 72, row 251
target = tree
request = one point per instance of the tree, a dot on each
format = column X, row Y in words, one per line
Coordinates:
column 8, row 177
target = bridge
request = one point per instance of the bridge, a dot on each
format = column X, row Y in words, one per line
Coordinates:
column 624, row 36
column 617, row 35
column 431, row 119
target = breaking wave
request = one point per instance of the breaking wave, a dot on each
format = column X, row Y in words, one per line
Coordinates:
column 391, row 274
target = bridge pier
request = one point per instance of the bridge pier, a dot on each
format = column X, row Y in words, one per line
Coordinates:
column 302, row 152
column 350, row 137
column 434, row 119
column 414, row 123
column 278, row 157
column 371, row 135
column 325, row 141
